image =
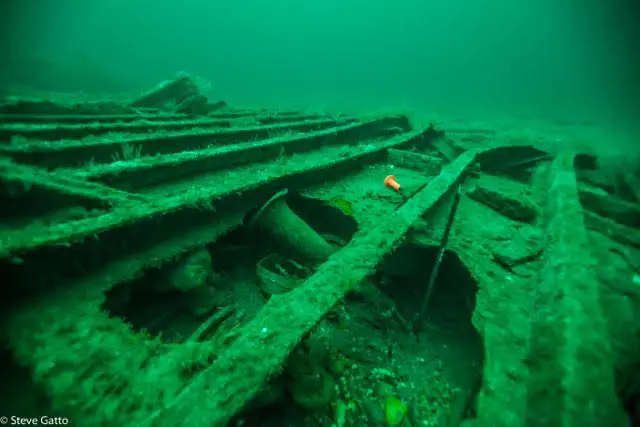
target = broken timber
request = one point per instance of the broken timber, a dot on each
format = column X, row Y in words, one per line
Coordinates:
column 147, row 117
column 71, row 316
column 102, row 150
column 184, row 195
column 88, row 191
column 571, row 381
column 171, row 167
column 191, row 187
column 171, row 123
column 265, row 342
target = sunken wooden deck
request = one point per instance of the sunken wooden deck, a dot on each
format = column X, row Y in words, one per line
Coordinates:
column 92, row 201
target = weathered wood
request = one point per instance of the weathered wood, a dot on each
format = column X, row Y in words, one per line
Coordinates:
column 148, row 117
column 71, row 153
column 87, row 118
column 613, row 230
column 571, row 379
column 52, row 132
column 603, row 204
column 29, row 176
column 31, row 238
column 138, row 173
column 71, row 325
column 426, row 164
column 546, row 342
column 261, row 350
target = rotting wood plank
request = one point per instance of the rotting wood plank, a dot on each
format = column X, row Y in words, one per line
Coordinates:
column 88, row 118
column 33, row 237
column 625, row 235
column 267, row 116
column 144, row 172
column 233, row 189
column 91, row 287
column 87, row 292
column 416, row 161
column 601, row 203
column 265, row 342
column 58, row 131
column 280, row 118
column 100, row 125
column 29, row 176
column 102, row 150
column 111, row 118
column 571, row 380
column 60, row 320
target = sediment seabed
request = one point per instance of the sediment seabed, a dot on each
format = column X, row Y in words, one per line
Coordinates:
column 175, row 260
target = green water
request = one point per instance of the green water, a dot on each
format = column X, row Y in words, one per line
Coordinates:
column 546, row 57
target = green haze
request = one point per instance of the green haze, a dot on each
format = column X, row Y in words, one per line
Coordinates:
column 455, row 55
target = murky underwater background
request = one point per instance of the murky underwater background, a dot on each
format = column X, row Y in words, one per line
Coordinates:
column 543, row 57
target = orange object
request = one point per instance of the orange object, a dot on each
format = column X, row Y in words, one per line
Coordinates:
column 390, row 182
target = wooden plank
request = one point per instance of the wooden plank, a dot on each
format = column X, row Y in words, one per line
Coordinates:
column 265, row 343
column 31, row 238
column 55, row 320
column 57, row 131
column 77, row 188
column 571, row 380
column 147, row 172
column 70, row 153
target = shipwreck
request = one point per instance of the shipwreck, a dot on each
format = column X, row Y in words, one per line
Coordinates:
column 173, row 260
